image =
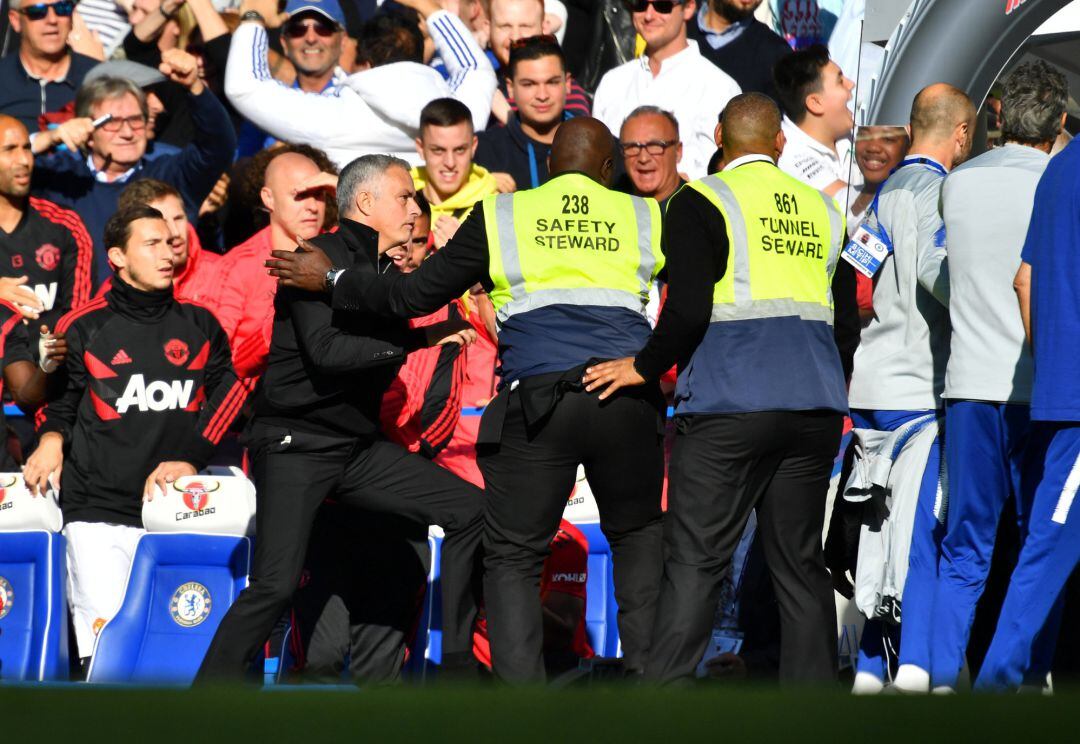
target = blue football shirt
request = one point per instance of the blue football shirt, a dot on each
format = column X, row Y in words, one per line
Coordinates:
column 1052, row 247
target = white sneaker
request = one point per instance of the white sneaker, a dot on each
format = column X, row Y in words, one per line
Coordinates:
column 912, row 679
column 866, row 684
column 943, row 690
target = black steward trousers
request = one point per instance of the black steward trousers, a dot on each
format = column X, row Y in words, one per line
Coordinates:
column 722, row 467
column 294, row 472
column 528, row 478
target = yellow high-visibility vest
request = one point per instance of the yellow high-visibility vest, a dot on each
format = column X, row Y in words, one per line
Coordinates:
column 784, row 239
column 571, row 241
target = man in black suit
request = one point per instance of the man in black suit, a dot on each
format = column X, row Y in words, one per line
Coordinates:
column 315, row 433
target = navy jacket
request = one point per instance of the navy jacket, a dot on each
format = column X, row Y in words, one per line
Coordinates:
column 506, row 150
column 67, row 179
column 24, row 97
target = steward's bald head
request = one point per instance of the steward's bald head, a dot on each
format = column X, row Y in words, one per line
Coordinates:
column 749, row 126
column 937, row 110
column 583, row 144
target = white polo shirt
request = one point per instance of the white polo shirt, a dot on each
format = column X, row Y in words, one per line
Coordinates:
column 810, row 161
column 688, row 85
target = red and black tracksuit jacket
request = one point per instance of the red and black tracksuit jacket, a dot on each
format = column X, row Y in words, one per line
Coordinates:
column 14, row 347
column 149, row 379
column 50, row 246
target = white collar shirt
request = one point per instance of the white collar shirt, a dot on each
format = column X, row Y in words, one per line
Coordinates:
column 688, row 85
column 808, row 160
column 751, row 158
column 102, row 177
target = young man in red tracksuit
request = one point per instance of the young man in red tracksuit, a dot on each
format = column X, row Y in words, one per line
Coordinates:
column 562, row 598
column 149, row 392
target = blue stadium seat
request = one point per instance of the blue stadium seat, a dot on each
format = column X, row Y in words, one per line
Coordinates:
column 426, row 649
column 179, row 588
column 33, row 608
column 601, row 611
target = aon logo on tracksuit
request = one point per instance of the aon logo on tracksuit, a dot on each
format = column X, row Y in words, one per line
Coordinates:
column 158, row 395
column 47, row 294
column 574, row 242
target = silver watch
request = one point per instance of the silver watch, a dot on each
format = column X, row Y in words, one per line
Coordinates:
column 332, row 277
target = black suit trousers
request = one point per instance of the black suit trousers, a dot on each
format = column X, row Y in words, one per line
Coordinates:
column 528, row 478
column 723, row 467
column 294, row 472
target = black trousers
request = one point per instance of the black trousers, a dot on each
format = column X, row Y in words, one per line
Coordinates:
column 528, row 478
column 722, row 467
column 294, row 472
column 359, row 599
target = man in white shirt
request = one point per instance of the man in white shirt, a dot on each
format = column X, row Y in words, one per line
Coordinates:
column 814, row 93
column 673, row 75
column 376, row 110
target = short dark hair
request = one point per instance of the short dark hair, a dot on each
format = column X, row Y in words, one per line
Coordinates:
column 144, row 191
column 535, row 47
column 798, row 75
column 118, row 228
column 422, row 202
column 444, row 112
column 1033, row 98
column 389, row 37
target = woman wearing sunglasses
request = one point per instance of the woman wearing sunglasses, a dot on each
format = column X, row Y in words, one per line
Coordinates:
column 39, row 79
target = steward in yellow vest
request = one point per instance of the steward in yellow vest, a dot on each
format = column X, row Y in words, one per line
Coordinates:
column 568, row 266
column 760, row 399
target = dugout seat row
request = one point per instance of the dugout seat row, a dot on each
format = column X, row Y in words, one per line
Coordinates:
column 33, row 581
column 187, row 571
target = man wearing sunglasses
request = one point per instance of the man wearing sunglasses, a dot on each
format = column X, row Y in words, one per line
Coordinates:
column 671, row 74
column 375, row 110
column 42, row 77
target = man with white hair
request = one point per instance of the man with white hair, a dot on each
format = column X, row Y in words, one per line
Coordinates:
column 316, row 434
column 376, row 110
column 91, row 183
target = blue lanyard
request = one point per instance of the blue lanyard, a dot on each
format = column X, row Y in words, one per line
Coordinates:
column 534, row 175
column 931, row 164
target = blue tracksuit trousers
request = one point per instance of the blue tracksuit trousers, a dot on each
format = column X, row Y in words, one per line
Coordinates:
column 1031, row 614
column 918, row 600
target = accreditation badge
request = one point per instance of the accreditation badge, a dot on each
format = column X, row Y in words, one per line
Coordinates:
column 866, row 252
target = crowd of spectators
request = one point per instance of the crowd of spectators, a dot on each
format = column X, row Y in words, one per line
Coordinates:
column 233, row 118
